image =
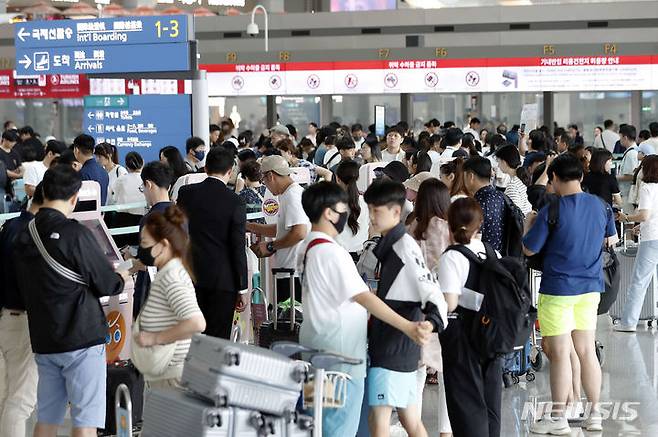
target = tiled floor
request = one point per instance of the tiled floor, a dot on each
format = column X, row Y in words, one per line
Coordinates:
column 630, row 374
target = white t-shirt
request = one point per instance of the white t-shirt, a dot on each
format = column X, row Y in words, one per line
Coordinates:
column 332, row 155
column 350, row 241
column 332, row 320
column 128, row 189
column 629, row 162
column 607, row 140
column 436, row 161
column 34, row 172
column 390, row 157
column 469, row 130
column 447, row 153
column 649, row 201
column 452, row 272
column 114, row 175
column 291, row 214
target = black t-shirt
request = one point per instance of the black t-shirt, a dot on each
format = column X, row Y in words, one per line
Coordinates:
column 603, row 185
column 12, row 161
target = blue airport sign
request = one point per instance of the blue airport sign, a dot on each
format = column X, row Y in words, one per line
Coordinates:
column 104, row 32
column 128, row 58
column 145, row 124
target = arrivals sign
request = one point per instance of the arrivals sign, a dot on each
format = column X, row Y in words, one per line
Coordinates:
column 109, row 45
column 140, row 123
column 584, row 73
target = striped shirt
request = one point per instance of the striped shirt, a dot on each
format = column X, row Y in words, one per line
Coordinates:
column 518, row 193
column 171, row 300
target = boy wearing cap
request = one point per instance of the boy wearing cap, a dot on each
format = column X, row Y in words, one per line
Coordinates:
column 292, row 225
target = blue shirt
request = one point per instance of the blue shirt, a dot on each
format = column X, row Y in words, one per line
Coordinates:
column 492, row 203
column 319, row 154
column 573, row 253
column 93, row 171
column 529, row 157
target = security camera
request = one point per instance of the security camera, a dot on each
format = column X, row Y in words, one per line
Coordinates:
column 252, row 29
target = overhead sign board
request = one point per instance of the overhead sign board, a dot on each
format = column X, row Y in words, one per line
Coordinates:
column 109, row 45
column 142, row 124
column 103, row 32
column 106, row 101
column 135, row 58
column 577, row 73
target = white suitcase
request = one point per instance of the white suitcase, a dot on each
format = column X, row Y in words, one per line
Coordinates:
column 650, row 306
column 238, row 375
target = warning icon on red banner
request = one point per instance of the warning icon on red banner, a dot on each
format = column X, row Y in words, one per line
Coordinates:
column 351, row 81
column 431, row 79
column 391, row 80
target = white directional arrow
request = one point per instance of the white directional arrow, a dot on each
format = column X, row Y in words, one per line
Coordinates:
column 90, row 115
column 22, row 34
column 120, row 101
column 25, row 62
column 91, row 128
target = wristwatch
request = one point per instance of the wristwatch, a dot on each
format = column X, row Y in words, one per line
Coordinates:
column 270, row 247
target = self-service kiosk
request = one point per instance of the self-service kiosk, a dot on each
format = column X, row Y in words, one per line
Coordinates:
column 118, row 309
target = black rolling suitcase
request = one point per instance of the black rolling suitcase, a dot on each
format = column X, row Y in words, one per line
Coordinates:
column 123, row 372
column 280, row 329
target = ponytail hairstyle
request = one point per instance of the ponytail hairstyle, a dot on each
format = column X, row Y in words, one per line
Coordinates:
column 134, row 161
column 170, row 226
column 348, row 173
column 468, row 142
column 464, row 219
column 456, row 167
column 510, row 154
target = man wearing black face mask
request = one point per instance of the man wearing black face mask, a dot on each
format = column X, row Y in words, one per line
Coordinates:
column 337, row 301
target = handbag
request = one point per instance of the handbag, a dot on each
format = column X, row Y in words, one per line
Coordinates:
column 151, row 361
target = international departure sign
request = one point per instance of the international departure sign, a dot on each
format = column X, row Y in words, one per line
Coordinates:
column 108, row 45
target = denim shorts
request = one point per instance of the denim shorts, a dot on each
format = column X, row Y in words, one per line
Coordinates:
column 78, row 378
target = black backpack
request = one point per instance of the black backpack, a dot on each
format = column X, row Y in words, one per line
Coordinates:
column 513, row 230
column 506, row 317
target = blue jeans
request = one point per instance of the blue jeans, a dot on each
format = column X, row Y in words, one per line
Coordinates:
column 644, row 269
column 341, row 422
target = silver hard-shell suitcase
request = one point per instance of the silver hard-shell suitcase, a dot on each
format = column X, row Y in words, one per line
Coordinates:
column 233, row 374
column 173, row 413
column 176, row 413
column 650, row 306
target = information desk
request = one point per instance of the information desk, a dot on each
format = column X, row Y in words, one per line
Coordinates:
column 118, row 309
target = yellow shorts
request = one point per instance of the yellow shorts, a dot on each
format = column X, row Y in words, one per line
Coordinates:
column 560, row 315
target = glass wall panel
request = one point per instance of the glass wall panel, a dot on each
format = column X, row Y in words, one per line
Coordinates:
column 350, row 109
column 649, row 108
column 298, row 111
column 590, row 109
column 443, row 107
column 249, row 112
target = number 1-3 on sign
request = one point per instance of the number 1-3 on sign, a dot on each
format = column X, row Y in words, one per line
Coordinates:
column 172, row 26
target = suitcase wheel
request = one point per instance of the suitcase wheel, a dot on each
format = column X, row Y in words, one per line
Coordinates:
column 232, row 358
column 649, row 323
column 507, row 380
column 515, row 379
column 529, row 376
column 213, row 420
column 537, row 362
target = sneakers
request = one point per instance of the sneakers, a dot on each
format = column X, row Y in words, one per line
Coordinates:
column 575, row 412
column 594, row 423
column 551, row 426
column 621, row 328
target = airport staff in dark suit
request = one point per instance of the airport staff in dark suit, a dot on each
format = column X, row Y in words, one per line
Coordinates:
column 217, row 218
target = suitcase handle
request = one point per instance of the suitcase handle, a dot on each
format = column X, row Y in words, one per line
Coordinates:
column 324, row 360
column 289, row 348
column 290, row 273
